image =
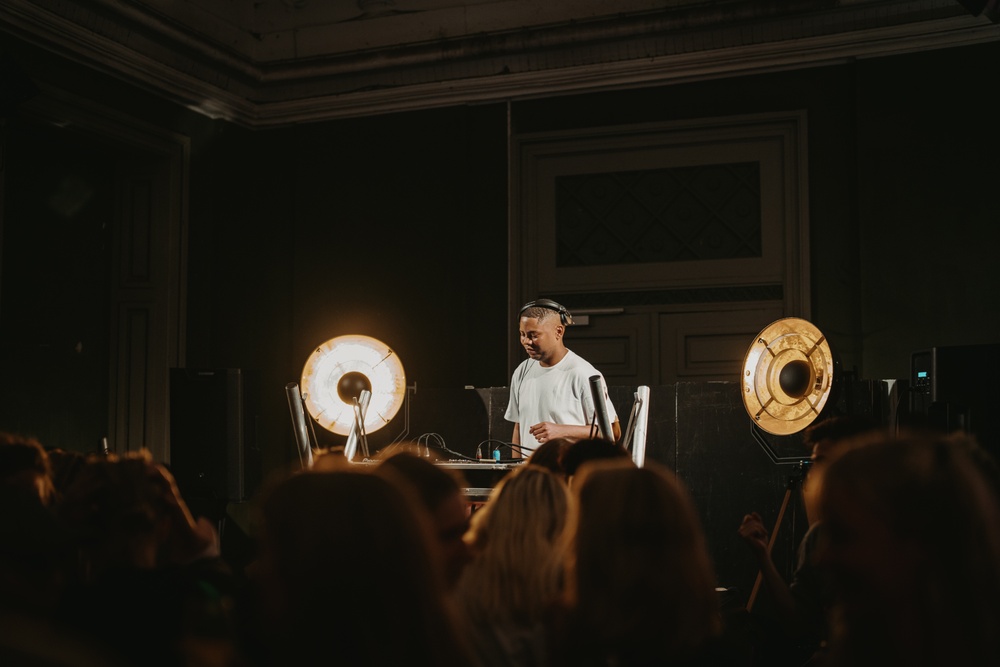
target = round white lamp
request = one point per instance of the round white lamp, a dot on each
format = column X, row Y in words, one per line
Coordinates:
column 337, row 372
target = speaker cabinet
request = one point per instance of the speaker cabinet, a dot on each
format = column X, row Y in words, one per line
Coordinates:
column 955, row 388
column 212, row 453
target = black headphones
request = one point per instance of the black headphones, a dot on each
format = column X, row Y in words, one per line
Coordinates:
column 564, row 315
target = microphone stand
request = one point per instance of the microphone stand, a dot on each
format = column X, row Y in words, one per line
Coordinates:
column 638, row 420
column 599, row 394
column 298, row 413
column 357, row 433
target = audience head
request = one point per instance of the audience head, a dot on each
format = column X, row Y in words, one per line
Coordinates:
column 519, row 540
column 114, row 509
column 328, row 459
column 913, row 529
column 34, row 553
column 345, row 561
column 66, row 464
column 580, row 452
column 827, row 438
column 549, row 454
column 824, row 435
column 125, row 511
column 24, row 464
column 642, row 585
column 440, row 492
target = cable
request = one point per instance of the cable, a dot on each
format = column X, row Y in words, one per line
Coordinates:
column 522, row 448
column 426, row 441
column 511, row 446
column 440, row 444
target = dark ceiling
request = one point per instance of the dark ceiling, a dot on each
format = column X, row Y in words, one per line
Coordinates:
column 274, row 62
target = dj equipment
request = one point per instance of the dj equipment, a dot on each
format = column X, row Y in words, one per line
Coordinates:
column 564, row 315
column 480, row 476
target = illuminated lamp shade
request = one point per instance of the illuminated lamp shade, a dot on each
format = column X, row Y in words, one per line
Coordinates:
column 337, row 372
column 788, row 374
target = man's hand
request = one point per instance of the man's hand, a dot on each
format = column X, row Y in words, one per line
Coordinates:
column 544, row 431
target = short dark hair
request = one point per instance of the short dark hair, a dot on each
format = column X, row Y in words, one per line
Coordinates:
column 549, row 453
column 838, row 427
column 431, row 483
column 577, row 453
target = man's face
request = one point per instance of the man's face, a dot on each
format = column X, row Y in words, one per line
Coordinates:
column 541, row 339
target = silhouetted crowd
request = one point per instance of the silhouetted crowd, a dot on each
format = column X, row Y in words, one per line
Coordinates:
column 578, row 558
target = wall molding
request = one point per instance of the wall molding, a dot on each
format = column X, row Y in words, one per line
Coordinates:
column 674, row 45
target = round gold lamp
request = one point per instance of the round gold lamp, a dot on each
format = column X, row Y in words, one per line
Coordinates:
column 788, row 373
column 338, row 372
column 788, row 377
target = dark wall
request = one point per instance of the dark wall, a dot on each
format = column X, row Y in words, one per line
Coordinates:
column 54, row 341
column 391, row 227
column 396, row 226
column 828, row 95
column 928, row 172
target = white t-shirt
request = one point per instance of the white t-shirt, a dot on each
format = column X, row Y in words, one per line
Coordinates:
column 560, row 394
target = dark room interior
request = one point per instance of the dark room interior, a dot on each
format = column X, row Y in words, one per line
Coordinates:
column 192, row 190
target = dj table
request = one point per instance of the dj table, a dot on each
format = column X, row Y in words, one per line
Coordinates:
column 480, row 476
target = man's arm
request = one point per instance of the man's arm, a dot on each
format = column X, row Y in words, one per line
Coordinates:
column 754, row 533
column 515, row 439
column 616, row 431
column 545, row 431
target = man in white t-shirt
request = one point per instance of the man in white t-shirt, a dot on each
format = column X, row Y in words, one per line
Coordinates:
column 550, row 391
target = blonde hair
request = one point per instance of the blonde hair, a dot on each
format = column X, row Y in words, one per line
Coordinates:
column 520, row 537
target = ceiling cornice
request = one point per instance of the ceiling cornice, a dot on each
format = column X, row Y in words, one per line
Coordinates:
column 679, row 45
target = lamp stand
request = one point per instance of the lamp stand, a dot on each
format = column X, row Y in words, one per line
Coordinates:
column 793, row 484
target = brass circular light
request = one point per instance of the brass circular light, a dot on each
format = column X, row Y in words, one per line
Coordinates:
column 787, row 376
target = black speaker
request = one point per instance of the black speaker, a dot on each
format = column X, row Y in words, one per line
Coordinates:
column 211, row 435
column 955, row 388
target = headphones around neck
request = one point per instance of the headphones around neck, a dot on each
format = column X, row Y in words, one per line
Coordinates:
column 564, row 315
